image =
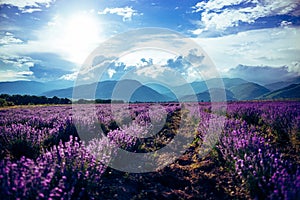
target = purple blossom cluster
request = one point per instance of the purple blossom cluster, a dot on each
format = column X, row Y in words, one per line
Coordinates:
column 43, row 157
column 61, row 152
column 64, row 172
column 279, row 116
column 262, row 164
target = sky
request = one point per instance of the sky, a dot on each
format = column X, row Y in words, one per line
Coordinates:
column 49, row 40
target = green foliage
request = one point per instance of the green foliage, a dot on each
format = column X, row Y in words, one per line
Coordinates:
column 21, row 147
column 97, row 101
column 10, row 100
column 4, row 103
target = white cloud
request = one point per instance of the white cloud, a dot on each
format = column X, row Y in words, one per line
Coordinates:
column 265, row 47
column 4, row 16
column 145, row 57
column 197, row 31
column 152, row 71
column 25, row 73
column 111, row 72
column 285, row 23
column 69, row 77
column 28, row 6
column 8, row 38
column 126, row 12
column 295, row 67
column 220, row 15
column 17, row 61
column 215, row 5
column 10, row 75
column 27, row 3
column 31, row 10
column 263, row 74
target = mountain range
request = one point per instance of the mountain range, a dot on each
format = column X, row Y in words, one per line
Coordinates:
column 134, row 91
column 32, row 87
column 291, row 91
column 282, row 84
column 126, row 90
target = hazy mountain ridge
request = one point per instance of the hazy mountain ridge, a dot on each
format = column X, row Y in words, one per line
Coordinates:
column 117, row 90
column 134, row 91
column 214, row 94
column 22, row 87
column 248, row 91
column 203, row 86
column 291, row 91
column 282, row 84
column 32, row 87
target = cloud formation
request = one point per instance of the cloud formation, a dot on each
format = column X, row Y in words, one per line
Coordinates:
column 28, row 6
column 15, row 67
column 17, row 62
column 44, row 66
column 126, row 12
column 220, row 15
column 8, row 38
column 11, row 75
column 31, row 10
column 263, row 75
column 69, row 77
column 45, row 73
column 173, row 71
column 265, row 47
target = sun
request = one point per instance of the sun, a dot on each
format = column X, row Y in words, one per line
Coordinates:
column 81, row 34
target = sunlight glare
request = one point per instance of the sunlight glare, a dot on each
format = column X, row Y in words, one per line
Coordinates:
column 81, row 35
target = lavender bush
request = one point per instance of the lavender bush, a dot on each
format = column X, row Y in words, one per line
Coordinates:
column 49, row 152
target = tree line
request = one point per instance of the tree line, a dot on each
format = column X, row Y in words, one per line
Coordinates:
column 97, row 101
column 11, row 100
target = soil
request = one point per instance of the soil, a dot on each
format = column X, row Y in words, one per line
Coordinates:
column 186, row 178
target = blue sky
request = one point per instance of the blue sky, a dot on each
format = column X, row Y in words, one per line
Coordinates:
column 45, row 40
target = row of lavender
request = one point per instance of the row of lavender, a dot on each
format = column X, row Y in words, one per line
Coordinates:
column 261, row 144
column 36, row 162
column 43, row 157
column 58, row 152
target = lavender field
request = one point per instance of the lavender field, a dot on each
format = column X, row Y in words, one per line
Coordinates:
column 50, row 152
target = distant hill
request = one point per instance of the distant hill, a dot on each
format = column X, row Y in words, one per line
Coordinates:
column 236, row 89
column 125, row 90
column 282, row 84
column 32, row 87
column 206, row 96
column 202, row 86
column 228, row 82
column 102, row 90
column 166, row 90
column 248, row 91
column 22, row 87
column 291, row 91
